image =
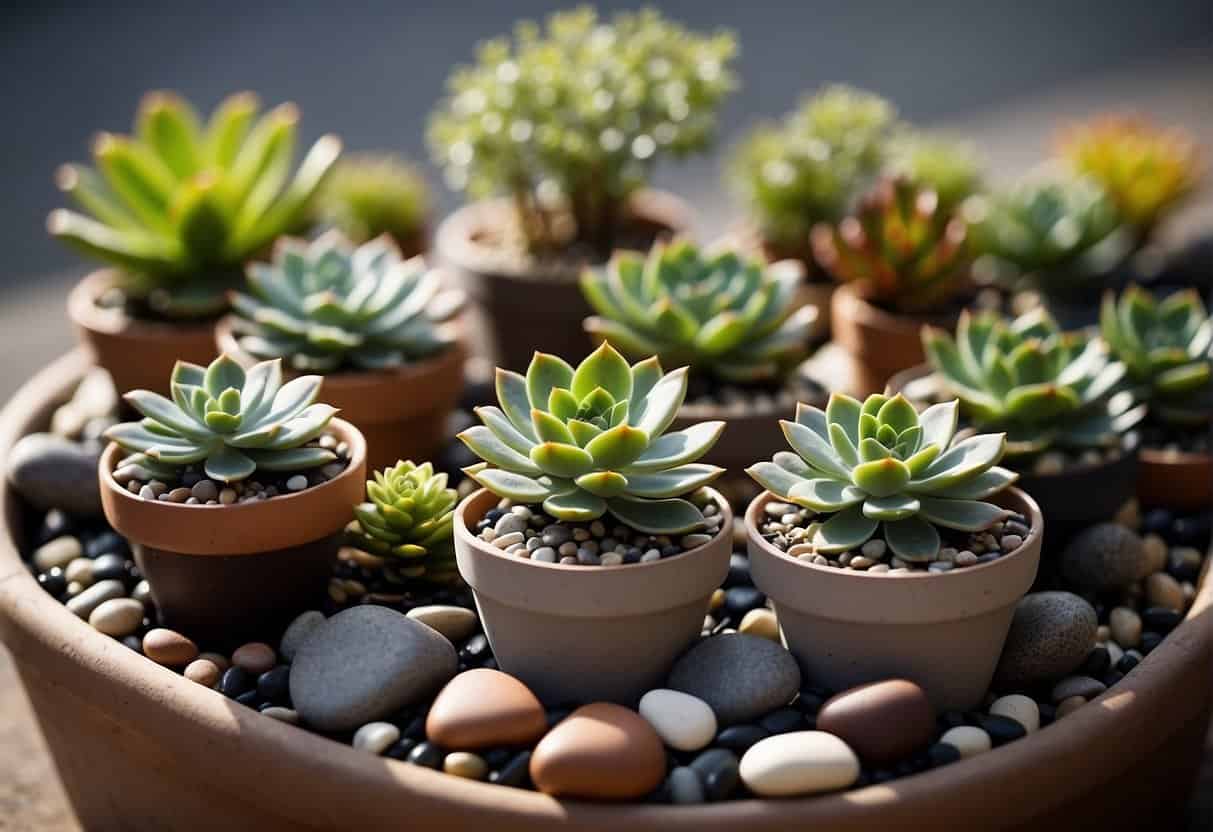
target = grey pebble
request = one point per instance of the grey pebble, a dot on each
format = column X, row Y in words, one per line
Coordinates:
column 740, row 676
column 1083, row 686
column 1051, row 634
column 52, row 472
column 83, row 604
column 684, row 786
column 299, row 631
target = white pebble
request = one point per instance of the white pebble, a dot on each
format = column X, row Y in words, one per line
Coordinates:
column 969, row 740
column 507, row 540
column 287, row 715
column 117, row 617
column 684, row 722
column 296, row 483
column 1022, row 709
column 376, row 737
column 874, row 549
column 800, row 762
column 456, row 623
column 58, row 552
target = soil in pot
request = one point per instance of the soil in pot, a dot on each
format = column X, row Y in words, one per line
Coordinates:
column 526, row 304
column 600, row 618
column 1176, row 467
column 225, row 562
column 136, row 347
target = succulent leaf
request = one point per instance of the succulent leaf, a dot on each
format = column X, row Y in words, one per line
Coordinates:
column 410, row 516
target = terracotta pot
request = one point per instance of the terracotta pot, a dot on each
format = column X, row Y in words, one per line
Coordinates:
column 227, row 574
column 523, row 309
column 817, row 287
column 402, row 413
column 139, row 355
column 578, row 634
column 879, row 342
column 1104, row 487
column 943, row 631
column 1179, row 481
column 177, row 756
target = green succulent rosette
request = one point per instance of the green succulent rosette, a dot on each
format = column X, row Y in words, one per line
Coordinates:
column 409, row 519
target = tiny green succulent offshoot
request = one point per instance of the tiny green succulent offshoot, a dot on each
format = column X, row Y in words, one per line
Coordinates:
column 724, row 314
column 592, row 440
column 409, row 518
column 230, row 422
column 327, row 304
column 1026, row 377
column 878, row 464
column 1167, row 346
column 181, row 205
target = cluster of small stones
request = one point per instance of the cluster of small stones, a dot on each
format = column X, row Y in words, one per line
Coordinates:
column 192, row 487
column 1173, row 440
column 525, row 531
column 741, row 401
column 1059, row 460
column 790, row 528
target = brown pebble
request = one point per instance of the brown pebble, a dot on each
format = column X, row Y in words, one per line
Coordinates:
column 882, row 721
column 600, row 752
column 217, row 659
column 204, row 672
column 168, row 647
column 485, row 708
column 1069, row 706
column 255, row 657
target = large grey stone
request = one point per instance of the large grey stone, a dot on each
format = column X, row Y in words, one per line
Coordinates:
column 740, row 676
column 1105, row 557
column 363, row 664
column 52, row 472
column 299, row 631
column 1050, row 636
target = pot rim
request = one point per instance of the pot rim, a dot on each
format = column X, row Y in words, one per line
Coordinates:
column 241, row 528
column 1158, row 456
column 83, row 311
column 161, row 703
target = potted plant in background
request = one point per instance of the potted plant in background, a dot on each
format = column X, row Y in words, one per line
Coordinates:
column 233, row 495
column 804, row 170
column 902, row 261
column 730, row 317
column 1055, row 395
column 874, row 479
column 177, row 210
column 947, row 166
column 371, row 323
column 556, row 133
column 1166, row 346
column 370, row 194
column 600, row 573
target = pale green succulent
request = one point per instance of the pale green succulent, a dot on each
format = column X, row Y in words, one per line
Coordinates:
column 722, row 313
column 879, row 464
column 950, row 168
column 372, row 194
column 1026, row 377
column 327, row 304
column 180, row 206
column 409, row 517
column 589, row 441
column 230, row 422
column 1167, row 346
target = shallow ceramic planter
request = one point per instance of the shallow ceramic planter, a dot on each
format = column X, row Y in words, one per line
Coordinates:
column 139, row 355
column 943, row 631
column 1075, row 498
column 578, row 634
column 177, row 756
column 523, row 310
column 228, row 574
column 402, row 413
column 1178, row 481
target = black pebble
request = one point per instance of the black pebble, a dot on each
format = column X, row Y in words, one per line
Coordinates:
column 111, row 567
column 1126, row 663
column 1157, row 521
column 738, row 738
column 415, row 729
column 942, row 753
column 515, row 773
column 1184, row 568
column 55, row 524
column 496, row 758
column 1160, row 619
column 1002, row 729
column 274, row 684
column 475, row 647
column 53, row 581
column 134, row 642
column 399, row 750
column 1148, row 642
column 1096, row 663
column 741, row 599
column 426, row 754
column 951, row 719
column 718, row 771
column 493, row 515
column 1112, row 677
column 107, row 542
column 739, row 572
column 249, row 698
column 1048, row 712
column 882, row 775
column 1192, row 530
column 783, row 721
column 235, row 681
column 809, row 702
column 556, row 715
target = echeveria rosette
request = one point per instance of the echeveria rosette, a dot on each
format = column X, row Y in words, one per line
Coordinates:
column 723, row 314
column 1167, row 346
column 229, row 421
column 592, row 440
column 327, row 304
column 409, row 517
column 900, row 246
column 1042, row 386
column 879, row 464
column 181, row 205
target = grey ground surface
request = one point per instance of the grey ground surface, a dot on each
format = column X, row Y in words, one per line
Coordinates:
column 1003, row 75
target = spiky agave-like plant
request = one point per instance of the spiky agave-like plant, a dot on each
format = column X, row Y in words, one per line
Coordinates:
column 180, row 206
column 1167, row 346
column 327, row 304
column 900, row 245
column 231, row 422
column 879, row 464
column 1026, row 377
column 591, row 440
column 721, row 313
column 409, row 517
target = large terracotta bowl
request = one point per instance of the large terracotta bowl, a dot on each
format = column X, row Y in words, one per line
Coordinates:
column 140, row 747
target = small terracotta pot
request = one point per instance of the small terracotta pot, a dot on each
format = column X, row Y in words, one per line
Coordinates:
column 225, row 574
column 1178, row 481
column 816, row 289
column 402, row 413
column 523, row 310
column 139, row 355
column 880, row 343
column 943, row 631
column 577, row 634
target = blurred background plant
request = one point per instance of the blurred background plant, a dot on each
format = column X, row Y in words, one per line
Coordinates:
column 950, row 167
column 569, row 119
column 369, row 194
